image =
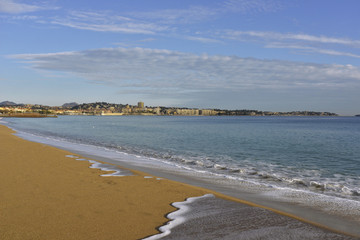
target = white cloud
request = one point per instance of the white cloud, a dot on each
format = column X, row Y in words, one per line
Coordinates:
column 252, row 6
column 245, row 35
column 21, row 18
column 335, row 53
column 124, row 27
column 105, row 22
column 153, row 69
column 147, row 40
column 312, row 49
column 183, row 16
column 202, row 39
column 308, row 43
column 14, row 7
column 9, row 6
column 197, row 13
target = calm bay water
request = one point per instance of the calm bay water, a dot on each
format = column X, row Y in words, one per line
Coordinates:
column 317, row 154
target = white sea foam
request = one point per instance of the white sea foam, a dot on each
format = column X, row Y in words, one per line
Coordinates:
column 107, row 167
column 104, row 167
column 176, row 218
column 337, row 206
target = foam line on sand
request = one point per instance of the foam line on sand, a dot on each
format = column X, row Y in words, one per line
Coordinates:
column 177, row 217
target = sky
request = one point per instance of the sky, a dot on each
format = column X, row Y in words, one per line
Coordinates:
column 269, row 55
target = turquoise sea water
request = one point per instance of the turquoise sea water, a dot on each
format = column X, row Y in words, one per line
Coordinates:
column 315, row 154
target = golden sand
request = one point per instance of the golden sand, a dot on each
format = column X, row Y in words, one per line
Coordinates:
column 46, row 195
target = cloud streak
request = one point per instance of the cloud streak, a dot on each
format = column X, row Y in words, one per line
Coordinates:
column 178, row 16
column 312, row 49
column 306, row 42
column 153, row 69
column 105, row 22
column 171, row 22
column 252, row 6
column 13, row 7
column 198, row 13
column 202, row 39
column 244, row 35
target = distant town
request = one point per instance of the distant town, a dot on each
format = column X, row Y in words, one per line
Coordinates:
column 11, row 109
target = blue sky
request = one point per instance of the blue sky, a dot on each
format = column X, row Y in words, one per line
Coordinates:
column 236, row 54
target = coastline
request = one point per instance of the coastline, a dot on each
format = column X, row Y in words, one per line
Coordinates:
column 65, row 198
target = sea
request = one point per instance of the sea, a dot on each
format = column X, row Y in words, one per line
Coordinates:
column 302, row 162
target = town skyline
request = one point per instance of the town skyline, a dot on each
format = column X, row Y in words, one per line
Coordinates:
column 11, row 109
column 235, row 54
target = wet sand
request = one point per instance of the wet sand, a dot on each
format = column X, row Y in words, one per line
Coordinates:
column 216, row 218
column 45, row 194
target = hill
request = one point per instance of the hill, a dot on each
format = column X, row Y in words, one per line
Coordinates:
column 69, row 105
column 7, row 103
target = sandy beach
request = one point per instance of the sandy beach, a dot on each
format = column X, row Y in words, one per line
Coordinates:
column 45, row 194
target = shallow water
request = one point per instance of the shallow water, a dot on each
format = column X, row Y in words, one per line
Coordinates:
column 319, row 154
column 208, row 217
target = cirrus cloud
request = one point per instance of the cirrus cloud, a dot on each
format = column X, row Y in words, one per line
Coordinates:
column 106, row 22
column 244, row 35
column 140, row 68
column 14, row 7
column 306, row 42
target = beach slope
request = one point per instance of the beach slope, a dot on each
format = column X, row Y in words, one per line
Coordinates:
column 46, row 195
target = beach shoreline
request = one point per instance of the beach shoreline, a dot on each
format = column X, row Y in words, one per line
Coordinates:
column 46, row 195
column 49, row 179
column 316, row 216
